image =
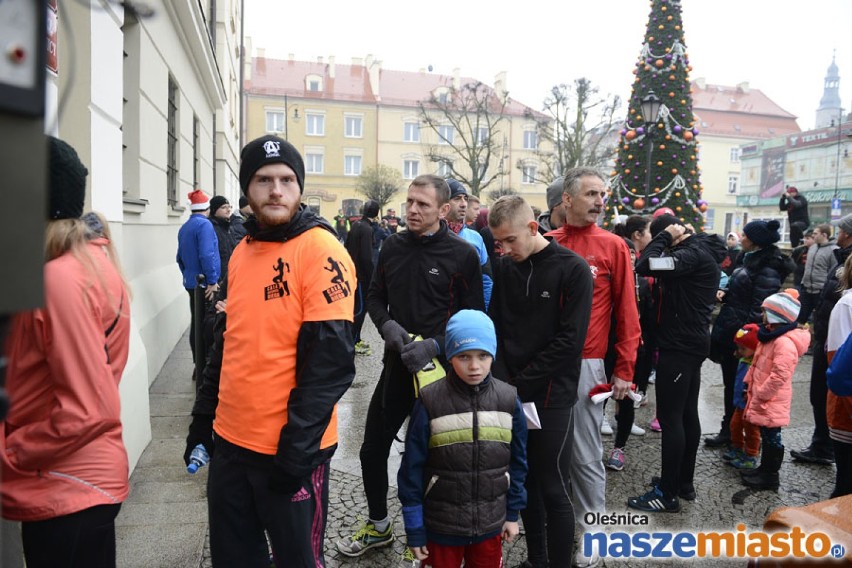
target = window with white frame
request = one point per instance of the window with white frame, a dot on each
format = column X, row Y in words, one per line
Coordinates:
column 314, row 124
column 482, row 135
column 353, row 126
column 275, row 121
column 733, row 183
column 446, row 133
column 352, row 165
column 530, row 140
column 410, row 169
column 313, row 83
column 411, row 132
column 528, row 174
column 735, row 154
column 314, row 161
column 444, row 169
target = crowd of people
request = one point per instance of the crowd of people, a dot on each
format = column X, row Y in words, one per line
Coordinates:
column 504, row 330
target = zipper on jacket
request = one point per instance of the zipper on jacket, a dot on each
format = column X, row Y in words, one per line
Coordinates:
column 475, row 468
column 529, row 278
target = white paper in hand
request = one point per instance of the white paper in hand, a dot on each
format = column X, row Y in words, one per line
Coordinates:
column 533, row 421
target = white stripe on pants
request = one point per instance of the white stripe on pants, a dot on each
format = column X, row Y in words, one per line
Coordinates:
column 588, row 476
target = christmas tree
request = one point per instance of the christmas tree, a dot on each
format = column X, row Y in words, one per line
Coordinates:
column 657, row 163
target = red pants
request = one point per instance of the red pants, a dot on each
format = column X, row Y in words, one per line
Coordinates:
column 486, row 554
column 744, row 435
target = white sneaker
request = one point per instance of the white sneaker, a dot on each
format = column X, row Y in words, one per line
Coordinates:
column 606, row 427
column 653, row 377
column 642, row 401
column 582, row 561
column 636, row 430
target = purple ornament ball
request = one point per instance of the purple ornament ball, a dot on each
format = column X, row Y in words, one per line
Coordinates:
column 695, row 131
column 655, row 200
column 640, row 131
column 677, row 128
column 625, row 200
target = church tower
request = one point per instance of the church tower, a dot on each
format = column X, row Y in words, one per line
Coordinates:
column 830, row 108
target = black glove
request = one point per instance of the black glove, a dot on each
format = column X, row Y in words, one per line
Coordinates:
column 200, row 432
column 416, row 354
column 282, row 482
column 395, row 335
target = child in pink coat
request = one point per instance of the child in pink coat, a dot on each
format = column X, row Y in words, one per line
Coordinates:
column 781, row 342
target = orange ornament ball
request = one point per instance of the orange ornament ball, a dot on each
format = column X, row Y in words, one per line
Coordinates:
column 677, row 194
column 668, row 137
column 629, row 156
column 692, row 172
column 656, row 190
column 631, row 134
column 647, row 68
column 659, row 163
column 639, row 203
column 662, row 146
column 663, row 9
column 661, row 27
column 703, row 208
column 688, row 135
column 650, row 39
column 626, row 171
column 626, row 147
column 678, row 28
column 683, row 101
column 606, row 223
column 674, row 170
column 671, row 77
column 668, row 18
column 659, row 63
column 678, row 208
column 671, row 94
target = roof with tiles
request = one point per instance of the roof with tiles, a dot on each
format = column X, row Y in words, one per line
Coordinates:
column 351, row 83
column 739, row 112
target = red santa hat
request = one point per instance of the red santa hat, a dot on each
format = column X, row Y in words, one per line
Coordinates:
column 664, row 211
column 198, row 200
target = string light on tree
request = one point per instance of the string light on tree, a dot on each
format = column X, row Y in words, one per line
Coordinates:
column 669, row 177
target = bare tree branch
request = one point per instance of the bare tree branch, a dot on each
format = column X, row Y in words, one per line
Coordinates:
column 475, row 113
column 578, row 128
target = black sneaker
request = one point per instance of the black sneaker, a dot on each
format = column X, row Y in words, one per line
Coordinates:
column 687, row 490
column 810, row 455
column 654, row 501
column 719, row 440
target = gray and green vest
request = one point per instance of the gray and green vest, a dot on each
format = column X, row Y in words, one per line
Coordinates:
column 467, row 471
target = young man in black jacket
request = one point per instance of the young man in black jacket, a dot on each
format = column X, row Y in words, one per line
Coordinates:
column 424, row 276
column 686, row 272
column 541, row 303
column 359, row 245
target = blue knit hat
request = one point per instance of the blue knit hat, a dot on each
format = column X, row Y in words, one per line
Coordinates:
column 468, row 330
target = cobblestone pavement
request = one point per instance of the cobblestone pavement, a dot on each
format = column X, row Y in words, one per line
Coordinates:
column 722, row 502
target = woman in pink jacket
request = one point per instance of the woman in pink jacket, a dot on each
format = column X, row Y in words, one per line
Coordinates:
column 64, row 465
column 769, row 382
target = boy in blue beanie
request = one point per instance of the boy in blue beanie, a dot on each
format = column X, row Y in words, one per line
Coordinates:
column 467, row 423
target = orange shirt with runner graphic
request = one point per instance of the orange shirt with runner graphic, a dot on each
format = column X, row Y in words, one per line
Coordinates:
column 273, row 288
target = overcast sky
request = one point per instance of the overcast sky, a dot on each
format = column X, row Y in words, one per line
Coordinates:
column 782, row 47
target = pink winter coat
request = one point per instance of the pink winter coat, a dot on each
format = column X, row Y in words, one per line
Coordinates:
column 770, row 379
column 61, row 449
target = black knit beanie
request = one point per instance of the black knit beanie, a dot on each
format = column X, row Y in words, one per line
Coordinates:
column 270, row 150
column 659, row 224
column 67, row 190
column 763, row 233
column 216, row 202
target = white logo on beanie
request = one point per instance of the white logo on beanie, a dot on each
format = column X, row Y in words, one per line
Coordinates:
column 272, row 148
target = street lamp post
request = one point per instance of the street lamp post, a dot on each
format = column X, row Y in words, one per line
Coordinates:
column 650, row 106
